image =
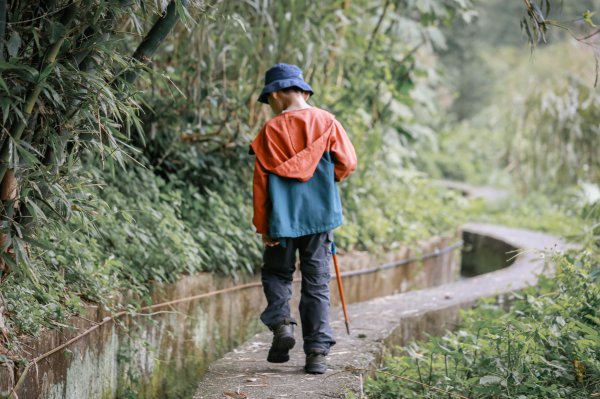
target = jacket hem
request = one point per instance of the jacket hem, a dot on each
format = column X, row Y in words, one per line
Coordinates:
column 307, row 231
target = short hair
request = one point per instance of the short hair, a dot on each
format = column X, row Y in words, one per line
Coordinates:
column 295, row 89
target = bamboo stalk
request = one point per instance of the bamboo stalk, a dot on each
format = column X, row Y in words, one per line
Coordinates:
column 145, row 50
column 17, row 129
column 2, row 27
column 154, row 38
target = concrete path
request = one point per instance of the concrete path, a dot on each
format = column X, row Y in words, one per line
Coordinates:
column 489, row 194
column 375, row 325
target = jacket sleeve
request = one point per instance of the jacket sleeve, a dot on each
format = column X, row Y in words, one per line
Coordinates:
column 260, row 197
column 343, row 152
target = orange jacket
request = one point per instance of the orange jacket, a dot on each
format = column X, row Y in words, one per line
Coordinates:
column 291, row 145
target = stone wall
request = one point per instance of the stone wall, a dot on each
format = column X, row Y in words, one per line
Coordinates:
column 162, row 353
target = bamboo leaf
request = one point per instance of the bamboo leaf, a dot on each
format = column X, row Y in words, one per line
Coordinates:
column 21, row 263
column 9, row 66
column 5, row 103
column 14, row 44
column 35, row 210
column 56, row 30
column 28, row 146
column 26, row 154
column 4, row 86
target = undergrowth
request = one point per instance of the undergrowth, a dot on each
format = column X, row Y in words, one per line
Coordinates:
column 87, row 231
column 138, row 230
column 545, row 345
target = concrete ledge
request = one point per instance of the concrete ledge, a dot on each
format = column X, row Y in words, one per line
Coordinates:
column 376, row 325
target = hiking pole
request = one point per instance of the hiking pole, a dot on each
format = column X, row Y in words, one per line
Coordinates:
column 339, row 283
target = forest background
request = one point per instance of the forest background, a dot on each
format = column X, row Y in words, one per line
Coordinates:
column 527, row 122
column 124, row 152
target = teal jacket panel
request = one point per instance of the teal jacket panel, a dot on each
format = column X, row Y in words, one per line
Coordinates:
column 301, row 208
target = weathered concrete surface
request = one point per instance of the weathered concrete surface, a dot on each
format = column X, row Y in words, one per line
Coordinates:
column 376, row 325
column 162, row 354
column 155, row 356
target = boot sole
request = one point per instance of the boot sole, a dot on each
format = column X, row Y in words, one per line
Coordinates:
column 315, row 365
column 278, row 359
column 315, row 369
column 279, row 352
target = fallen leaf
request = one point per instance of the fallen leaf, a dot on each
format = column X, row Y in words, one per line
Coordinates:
column 235, row 395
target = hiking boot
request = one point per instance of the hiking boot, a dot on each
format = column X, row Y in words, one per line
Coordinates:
column 283, row 341
column 315, row 363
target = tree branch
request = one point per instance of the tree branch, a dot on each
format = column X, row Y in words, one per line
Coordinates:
column 379, row 22
column 594, row 33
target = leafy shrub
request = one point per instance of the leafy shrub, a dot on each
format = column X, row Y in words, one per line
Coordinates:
column 138, row 231
column 547, row 345
column 467, row 151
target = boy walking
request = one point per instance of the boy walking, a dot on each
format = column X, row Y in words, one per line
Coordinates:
column 300, row 154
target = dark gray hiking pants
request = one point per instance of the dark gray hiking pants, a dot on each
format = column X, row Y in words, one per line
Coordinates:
column 315, row 262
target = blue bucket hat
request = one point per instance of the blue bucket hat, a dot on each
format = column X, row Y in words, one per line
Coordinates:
column 283, row 76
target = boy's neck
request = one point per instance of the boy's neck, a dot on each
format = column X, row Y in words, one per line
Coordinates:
column 296, row 103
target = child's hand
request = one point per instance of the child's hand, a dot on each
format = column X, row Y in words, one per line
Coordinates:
column 268, row 241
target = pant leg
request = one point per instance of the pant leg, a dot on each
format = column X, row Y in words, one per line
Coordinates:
column 279, row 263
column 315, row 264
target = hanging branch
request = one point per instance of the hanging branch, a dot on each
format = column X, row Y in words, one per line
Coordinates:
column 539, row 24
column 536, row 23
column 17, row 129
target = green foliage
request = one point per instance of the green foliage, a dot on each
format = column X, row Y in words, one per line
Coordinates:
column 387, row 206
column 202, row 124
column 124, row 186
column 61, row 97
column 163, row 187
column 465, row 151
column 376, row 220
column 344, row 55
column 563, row 214
column 539, row 135
column 555, row 135
column 140, row 231
column 545, row 345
